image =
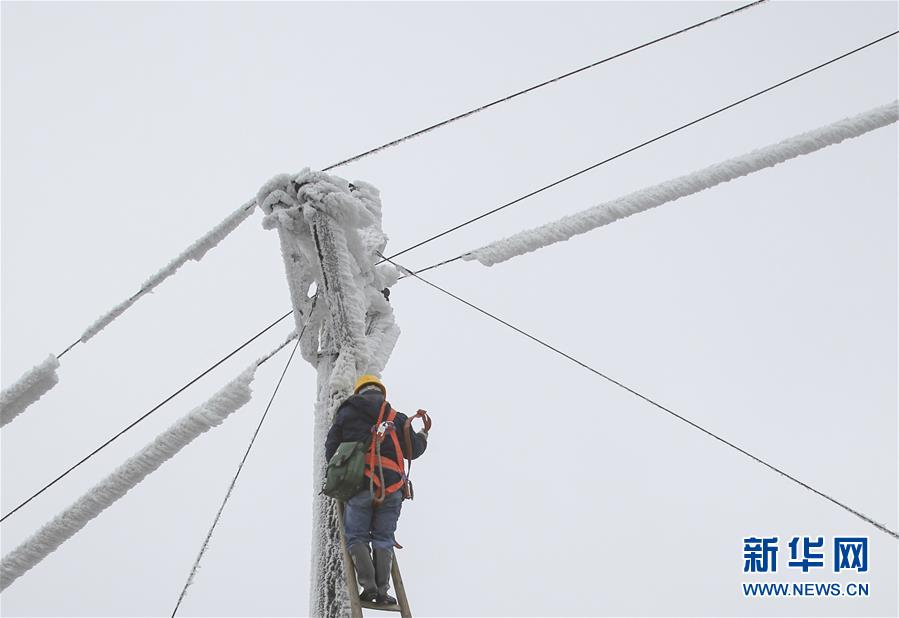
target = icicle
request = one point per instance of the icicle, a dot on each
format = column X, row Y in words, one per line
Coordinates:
column 29, row 388
column 603, row 214
column 194, row 252
column 382, row 332
column 210, row 414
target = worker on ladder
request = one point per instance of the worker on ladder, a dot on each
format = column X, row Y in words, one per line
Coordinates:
column 371, row 515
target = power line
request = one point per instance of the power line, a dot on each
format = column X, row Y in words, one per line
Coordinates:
column 648, row 400
column 195, row 252
column 72, row 345
column 508, row 204
column 537, row 86
column 428, row 129
column 145, row 415
column 587, row 169
column 433, row 266
column 243, row 460
column 628, row 151
column 79, row 340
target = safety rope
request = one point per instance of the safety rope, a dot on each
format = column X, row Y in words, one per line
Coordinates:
column 407, row 443
column 378, row 437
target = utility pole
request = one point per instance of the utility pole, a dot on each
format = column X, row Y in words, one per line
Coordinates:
column 330, row 233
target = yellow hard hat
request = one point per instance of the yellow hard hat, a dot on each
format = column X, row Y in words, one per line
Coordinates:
column 369, row 380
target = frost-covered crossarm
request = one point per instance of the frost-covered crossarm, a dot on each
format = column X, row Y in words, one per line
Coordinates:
column 61, row 528
column 670, row 190
column 28, row 389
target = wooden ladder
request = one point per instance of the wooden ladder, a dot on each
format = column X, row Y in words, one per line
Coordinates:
column 356, row 604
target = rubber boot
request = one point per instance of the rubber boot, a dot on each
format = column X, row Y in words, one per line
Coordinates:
column 383, row 562
column 365, row 571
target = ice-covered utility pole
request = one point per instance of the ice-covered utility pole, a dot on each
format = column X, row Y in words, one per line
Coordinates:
column 330, row 231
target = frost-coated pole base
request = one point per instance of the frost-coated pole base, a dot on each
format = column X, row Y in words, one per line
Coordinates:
column 328, row 596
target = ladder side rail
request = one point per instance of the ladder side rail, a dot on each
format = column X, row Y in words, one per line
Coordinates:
column 349, row 569
column 400, row 589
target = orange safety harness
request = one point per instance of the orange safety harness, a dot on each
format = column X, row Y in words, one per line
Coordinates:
column 374, row 458
column 380, row 430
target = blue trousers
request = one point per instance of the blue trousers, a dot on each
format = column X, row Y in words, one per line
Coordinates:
column 364, row 523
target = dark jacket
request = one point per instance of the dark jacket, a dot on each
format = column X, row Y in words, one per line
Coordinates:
column 353, row 422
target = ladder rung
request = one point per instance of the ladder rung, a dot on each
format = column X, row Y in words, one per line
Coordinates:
column 383, row 608
column 356, row 604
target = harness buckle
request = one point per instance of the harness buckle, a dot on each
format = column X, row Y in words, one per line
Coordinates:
column 382, row 429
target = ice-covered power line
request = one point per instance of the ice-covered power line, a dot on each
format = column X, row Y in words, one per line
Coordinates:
column 218, row 515
column 537, row 86
column 31, row 386
column 65, row 525
column 129, row 474
column 682, row 186
column 195, row 252
column 648, row 400
column 28, row 389
column 199, row 248
column 148, row 413
column 625, row 152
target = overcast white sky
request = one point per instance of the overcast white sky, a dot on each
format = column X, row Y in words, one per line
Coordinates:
column 764, row 309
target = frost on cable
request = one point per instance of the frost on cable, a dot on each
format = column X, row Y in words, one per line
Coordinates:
column 194, row 252
column 210, row 414
column 330, row 234
column 28, row 389
column 670, row 190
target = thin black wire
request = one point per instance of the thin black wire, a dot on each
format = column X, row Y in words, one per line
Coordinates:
column 437, row 265
column 400, row 140
column 537, row 86
column 243, row 460
column 471, row 112
column 156, row 407
column 509, row 98
column 632, row 391
column 433, row 266
column 72, row 345
column 628, row 151
column 595, row 165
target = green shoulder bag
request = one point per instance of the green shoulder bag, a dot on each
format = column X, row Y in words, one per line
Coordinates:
column 345, row 476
